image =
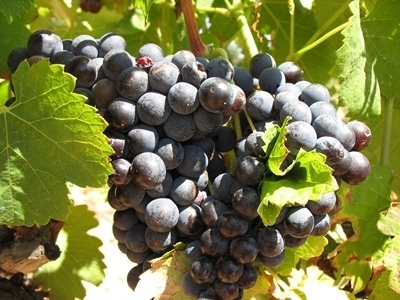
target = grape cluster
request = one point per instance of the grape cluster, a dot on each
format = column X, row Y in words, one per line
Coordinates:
column 169, row 122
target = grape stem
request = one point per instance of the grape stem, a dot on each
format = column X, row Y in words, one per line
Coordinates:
column 197, row 46
column 387, row 130
column 297, row 55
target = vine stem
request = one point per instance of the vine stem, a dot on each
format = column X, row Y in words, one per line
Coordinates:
column 296, row 56
column 244, row 28
column 291, row 12
column 387, row 130
column 197, row 46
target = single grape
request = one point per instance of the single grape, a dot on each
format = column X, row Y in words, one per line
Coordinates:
column 211, row 211
column 248, row 278
column 115, row 61
column 300, row 135
column 299, row 221
column 231, row 225
column 44, row 43
column 259, row 105
column 203, row 270
column 161, row 214
column 160, row 242
column 315, row 92
column 245, row 202
column 135, row 238
column 163, row 75
column 171, row 152
column 260, row 62
column 359, row 170
column 221, row 68
column 322, row 224
column 216, row 94
column 292, row 71
column 151, row 50
column 179, row 127
column 148, row 170
column 182, row 98
column 271, row 79
column 153, row 108
column 212, row 243
column 110, row 41
column 229, row 270
column 272, row 262
column 362, row 133
column 244, row 249
column 84, row 69
column 132, row 82
column 270, row 241
column 85, row 45
column 183, row 190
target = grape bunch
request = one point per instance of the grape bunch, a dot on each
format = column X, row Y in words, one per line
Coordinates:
column 181, row 172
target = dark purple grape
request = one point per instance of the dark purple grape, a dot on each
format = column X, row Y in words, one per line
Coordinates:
column 160, row 242
column 260, row 62
column 244, row 249
column 183, row 190
column 84, row 69
column 216, row 94
column 271, row 79
column 211, row 211
column 363, row 135
column 115, row 61
column 322, row 225
column 15, row 57
column 212, row 243
column 121, row 174
column 203, row 270
column 104, row 91
column 121, row 115
column 272, row 262
column 163, row 189
column 206, row 121
column 62, row 57
column 243, row 79
column 270, row 241
column 111, row 41
column 281, row 99
column 163, row 75
column 193, row 251
column 44, row 43
column 161, row 214
column 231, row 225
column 292, row 71
column 226, row 291
column 179, row 127
column 324, row 205
column 194, row 163
column 315, row 92
column 151, row 50
column 94, row 6
column 220, row 67
column 125, row 219
column 288, row 87
column 85, row 45
column 193, row 73
column 299, row 221
column 129, row 194
column 153, row 108
column 181, row 57
column 250, row 170
column 294, row 242
column 133, row 275
column 245, row 202
column 148, row 170
column 248, row 278
column 142, row 138
column 182, row 98
column 297, row 110
column 300, row 135
column 238, row 104
column 331, row 148
column 132, row 82
column 359, row 170
column 229, row 270
column 259, row 105
column 171, row 152
column 135, row 238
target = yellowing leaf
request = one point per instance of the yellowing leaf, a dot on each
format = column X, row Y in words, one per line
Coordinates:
column 163, row 281
column 48, row 137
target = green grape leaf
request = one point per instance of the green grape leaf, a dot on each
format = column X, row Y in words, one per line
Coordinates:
column 12, row 36
column 313, row 247
column 80, row 260
column 12, row 8
column 359, row 90
column 381, row 29
column 307, row 180
column 144, row 6
column 373, row 151
column 360, row 273
column 379, row 288
column 279, row 151
column 362, row 206
column 49, row 136
column 389, row 225
column 269, row 138
column 165, row 277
